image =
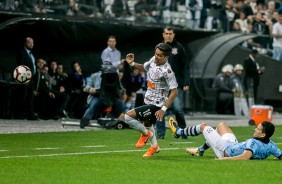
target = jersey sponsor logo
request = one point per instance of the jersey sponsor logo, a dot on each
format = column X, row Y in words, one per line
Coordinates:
column 174, row 51
column 151, row 85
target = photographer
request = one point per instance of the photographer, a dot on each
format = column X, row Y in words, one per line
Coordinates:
column 100, row 96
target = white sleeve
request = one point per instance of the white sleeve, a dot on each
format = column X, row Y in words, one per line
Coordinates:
column 274, row 29
column 171, row 79
column 147, row 64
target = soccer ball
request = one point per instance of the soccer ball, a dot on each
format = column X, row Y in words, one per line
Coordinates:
column 22, row 74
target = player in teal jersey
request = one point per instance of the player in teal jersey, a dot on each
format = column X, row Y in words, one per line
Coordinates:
column 225, row 145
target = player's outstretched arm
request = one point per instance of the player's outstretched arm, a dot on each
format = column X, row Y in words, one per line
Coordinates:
column 130, row 60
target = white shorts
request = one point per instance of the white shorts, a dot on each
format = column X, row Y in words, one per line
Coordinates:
column 217, row 142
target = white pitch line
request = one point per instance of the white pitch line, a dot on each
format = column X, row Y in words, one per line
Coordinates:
column 46, row 148
column 81, row 153
column 3, row 150
column 181, row 142
column 94, row 146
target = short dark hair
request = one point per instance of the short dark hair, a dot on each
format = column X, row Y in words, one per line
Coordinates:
column 72, row 65
column 111, row 37
column 267, row 128
column 169, row 28
column 165, row 48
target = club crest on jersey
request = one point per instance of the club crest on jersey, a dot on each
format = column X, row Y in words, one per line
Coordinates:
column 174, row 51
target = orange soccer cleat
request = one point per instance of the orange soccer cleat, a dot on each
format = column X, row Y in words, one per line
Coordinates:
column 143, row 139
column 152, row 151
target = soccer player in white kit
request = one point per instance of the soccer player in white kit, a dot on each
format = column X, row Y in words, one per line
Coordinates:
column 161, row 91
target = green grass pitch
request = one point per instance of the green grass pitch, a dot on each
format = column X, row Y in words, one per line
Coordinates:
column 110, row 156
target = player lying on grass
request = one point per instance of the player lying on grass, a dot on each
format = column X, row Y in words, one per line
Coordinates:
column 225, row 145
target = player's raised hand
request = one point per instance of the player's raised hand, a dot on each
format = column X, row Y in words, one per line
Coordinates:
column 129, row 58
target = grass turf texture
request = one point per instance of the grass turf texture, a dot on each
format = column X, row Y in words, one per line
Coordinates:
column 109, row 156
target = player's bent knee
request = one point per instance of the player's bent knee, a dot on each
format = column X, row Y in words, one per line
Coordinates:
column 221, row 124
column 131, row 113
column 202, row 126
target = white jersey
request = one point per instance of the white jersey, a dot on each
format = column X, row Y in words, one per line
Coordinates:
column 160, row 79
column 277, row 29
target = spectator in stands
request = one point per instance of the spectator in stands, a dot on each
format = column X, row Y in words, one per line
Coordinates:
column 261, row 8
column 73, row 9
column 179, row 62
column 45, row 98
column 111, row 53
column 120, row 8
column 277, row 40
column 41, row 91
column 26, row 57
column 252, row 75
column 194, row 8
column 204, row 13
column 58, row 99
column 275, row 17
column 58, row 87
column 227, row 16
column 39, row 68
column 270, row 9
column 53, row 68
column 238, row 8
column 63, row 77
column 143, row 10
column 247, row 8
column 224, row 85
column 96, row 100
column 77, row 103
column 261, row 25
column 242, row 22
column 213, row 22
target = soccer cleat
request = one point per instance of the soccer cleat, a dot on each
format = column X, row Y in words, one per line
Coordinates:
column 151, row 151
column 173, row 127
column 195, row 152
column 143, row 139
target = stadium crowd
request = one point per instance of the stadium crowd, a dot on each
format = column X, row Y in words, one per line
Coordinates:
column 225, row 15
column 67, row 92
column 249, row 16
